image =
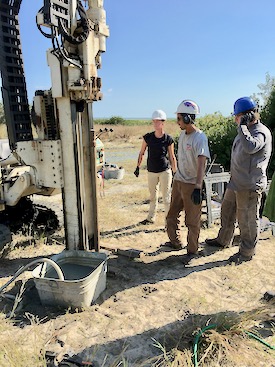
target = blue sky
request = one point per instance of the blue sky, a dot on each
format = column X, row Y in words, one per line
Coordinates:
column 161, row 52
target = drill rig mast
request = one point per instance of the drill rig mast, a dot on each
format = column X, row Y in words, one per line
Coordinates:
column 63, row 155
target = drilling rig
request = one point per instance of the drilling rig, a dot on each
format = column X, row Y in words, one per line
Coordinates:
column 53, row 144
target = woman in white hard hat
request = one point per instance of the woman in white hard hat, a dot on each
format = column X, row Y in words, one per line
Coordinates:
column 161, row 161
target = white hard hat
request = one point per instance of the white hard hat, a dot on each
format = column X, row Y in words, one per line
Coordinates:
column 159, row 115
column 189, row 107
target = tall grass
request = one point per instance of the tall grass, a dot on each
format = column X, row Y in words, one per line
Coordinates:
column 21, row 349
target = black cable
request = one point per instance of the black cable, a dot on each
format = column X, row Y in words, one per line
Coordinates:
column 47, row 35
column 84, row 23
column 63, row 51
column 59, row 51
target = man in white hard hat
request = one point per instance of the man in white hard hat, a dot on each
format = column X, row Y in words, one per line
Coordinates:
column 161, row 161
column 193, row 152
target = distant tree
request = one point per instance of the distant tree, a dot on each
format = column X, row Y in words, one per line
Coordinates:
column 261, row 98
column 266, row 88
column 268, row 111
column 266, row 102
column 115, row 120
column 268, row 118
column 221, row 132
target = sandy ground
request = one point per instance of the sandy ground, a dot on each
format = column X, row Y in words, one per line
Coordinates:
column 151, row 297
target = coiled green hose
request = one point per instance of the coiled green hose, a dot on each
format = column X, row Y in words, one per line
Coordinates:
column 213, row 326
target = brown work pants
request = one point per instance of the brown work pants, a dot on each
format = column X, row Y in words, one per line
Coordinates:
column 242, row 206
column 181, row 200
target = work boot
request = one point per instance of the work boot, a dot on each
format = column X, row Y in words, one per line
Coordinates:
column 188, row 257
column 269, row 295
column 174, row 245
column 213, row 242
column 238, row 258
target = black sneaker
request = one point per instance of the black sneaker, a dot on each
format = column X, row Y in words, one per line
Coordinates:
column 213, row 242
column 238, row 258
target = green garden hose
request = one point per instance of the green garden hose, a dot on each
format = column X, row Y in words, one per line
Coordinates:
column 196, row 342
column 259, row 339
column 213, row 326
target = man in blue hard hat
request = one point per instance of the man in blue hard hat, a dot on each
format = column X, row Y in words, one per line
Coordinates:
column 250, row 156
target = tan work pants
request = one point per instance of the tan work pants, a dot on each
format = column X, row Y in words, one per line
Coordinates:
column 181, row 200
column 164, row 180
column 241, row 206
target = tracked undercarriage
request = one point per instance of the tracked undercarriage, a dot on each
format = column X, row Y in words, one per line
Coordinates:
column 27, row 218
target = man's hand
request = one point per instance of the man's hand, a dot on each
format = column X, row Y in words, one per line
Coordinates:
column 196, row 196
column 136, row 173
column 247, row 118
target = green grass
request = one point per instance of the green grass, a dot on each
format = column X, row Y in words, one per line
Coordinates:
column 121, row 121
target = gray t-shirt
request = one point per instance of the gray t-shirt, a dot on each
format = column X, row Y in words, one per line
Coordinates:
column 250, row 154
column 190, row 146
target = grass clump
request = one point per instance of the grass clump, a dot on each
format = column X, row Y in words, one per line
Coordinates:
column 21, row 349
column 222, row 340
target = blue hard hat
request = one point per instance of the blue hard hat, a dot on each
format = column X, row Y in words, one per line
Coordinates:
column 244, row 104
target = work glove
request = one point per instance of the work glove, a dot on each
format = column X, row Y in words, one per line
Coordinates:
column 136, row 173
column 196, row 196
column 247, row 118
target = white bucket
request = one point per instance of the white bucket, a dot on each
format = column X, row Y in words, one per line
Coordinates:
column 112, row 171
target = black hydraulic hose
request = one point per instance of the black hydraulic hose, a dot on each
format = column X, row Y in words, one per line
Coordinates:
column 47, row 35
column 84, row 23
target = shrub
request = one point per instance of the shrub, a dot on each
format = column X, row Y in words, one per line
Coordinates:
column 268, row 118
column 114, row 120
column 221, row 132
